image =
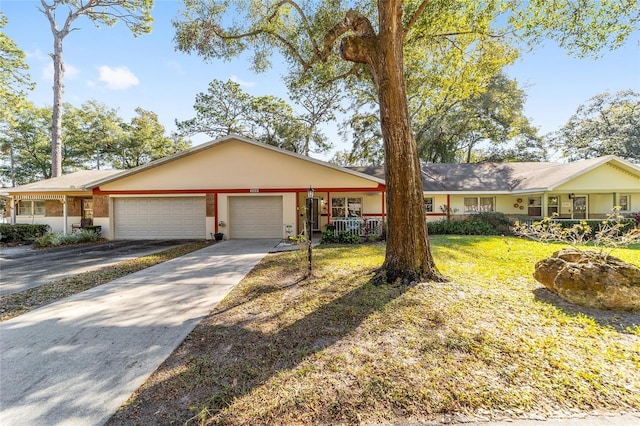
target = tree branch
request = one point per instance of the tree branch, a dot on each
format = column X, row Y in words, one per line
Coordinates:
column 359, row 47
column 304, row 19
column 416, row 15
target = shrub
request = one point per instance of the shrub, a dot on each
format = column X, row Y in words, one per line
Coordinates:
column 345, row 237
column 21, row 233
column 342, row 237
column 55, row 239
column 328, row 237
column 499, row 221
column 461, row 227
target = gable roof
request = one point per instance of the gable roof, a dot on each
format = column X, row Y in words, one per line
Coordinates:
column 223, row 140
column 505, row 177
column 80, row 181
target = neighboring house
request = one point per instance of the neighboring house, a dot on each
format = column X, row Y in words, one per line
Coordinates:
column 587, row 189
column 246, row 189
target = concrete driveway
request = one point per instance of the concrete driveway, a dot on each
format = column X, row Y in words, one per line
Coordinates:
column 22, row 268
column 74, row 362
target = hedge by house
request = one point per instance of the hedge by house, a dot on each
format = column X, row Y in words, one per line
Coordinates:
column 626, row 224
column 477, row 224
column 21, row 233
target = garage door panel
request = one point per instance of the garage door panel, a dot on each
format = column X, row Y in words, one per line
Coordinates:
column 255, row 217
column 160, row 218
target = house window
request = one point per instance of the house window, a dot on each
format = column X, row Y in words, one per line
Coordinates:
column 31, row 208
column 535, row 206
column 478, row 204
column 87, row 208
column 346, row 207
column 553, row 203
column 624, row 201
column 428, row 204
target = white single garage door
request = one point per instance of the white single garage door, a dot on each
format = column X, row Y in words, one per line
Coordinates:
column 255, row 217
column 160, row 218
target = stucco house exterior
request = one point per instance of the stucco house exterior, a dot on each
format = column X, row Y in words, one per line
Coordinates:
column 587, row 189
column 246, row 189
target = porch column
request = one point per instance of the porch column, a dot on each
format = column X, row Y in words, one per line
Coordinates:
column 12, row 210
column 215, row 212
column 64, row 215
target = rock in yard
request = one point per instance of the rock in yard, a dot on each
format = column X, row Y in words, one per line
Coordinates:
column 590, row 279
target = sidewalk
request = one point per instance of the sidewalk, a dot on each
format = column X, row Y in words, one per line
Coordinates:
column 581, row 419
column 74, row 362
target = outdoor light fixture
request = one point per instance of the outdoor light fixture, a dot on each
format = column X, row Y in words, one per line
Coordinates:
column 572, row 196
column 310, row 223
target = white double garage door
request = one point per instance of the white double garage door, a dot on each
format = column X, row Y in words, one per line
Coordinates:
column 185, row 217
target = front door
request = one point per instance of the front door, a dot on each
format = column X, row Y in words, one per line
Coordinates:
column 580, row 207
column 315, row 215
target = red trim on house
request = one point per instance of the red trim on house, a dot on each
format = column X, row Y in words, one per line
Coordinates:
column 215, row 212
column 298, row 213
column 98, row 191
column 328, row 207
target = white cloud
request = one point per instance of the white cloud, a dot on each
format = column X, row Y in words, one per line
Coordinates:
column 236, row 79
column 117, row 78
column 70, row 72
column 36, row 54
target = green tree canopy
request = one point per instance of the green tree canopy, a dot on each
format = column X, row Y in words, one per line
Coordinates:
column 93, row 132
column 26, row 146
column 225, row 108
column 95, row 137
column 606, row 125
column 14, row 78
column 144, row 140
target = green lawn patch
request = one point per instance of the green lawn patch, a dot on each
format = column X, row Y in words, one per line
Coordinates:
column 16, row 304
column 336, row 349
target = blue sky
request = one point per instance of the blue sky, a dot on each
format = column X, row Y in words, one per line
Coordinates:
column 125, row 72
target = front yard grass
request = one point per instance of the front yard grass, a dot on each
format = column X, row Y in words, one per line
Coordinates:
column 336, row 349
column 16, row 304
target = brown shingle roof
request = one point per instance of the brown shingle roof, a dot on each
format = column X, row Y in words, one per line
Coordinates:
column 80, row 180
column 500, row 177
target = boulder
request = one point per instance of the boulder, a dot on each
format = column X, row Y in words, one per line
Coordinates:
column 591, row 279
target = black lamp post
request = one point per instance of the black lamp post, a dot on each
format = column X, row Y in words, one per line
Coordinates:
column 310, row 223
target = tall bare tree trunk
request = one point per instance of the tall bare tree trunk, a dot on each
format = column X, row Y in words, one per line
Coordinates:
column 408, row 255
column 58, row 91
column 58, row 85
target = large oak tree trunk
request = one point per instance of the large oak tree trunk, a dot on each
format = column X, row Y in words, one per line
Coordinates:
column 408, row 255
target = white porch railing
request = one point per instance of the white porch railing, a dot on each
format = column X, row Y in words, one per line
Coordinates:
column 358, row 226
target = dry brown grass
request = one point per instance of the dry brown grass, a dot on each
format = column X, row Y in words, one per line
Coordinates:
column 335, row 349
